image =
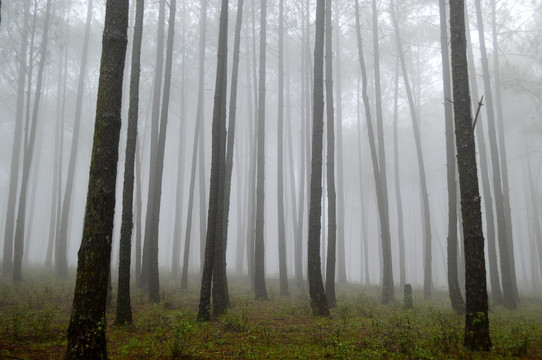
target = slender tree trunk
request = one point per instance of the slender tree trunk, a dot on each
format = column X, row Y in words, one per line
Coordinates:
column 331, row 195
column 341, row 249
column 7, row 264
column 86, row 332
column 283, row 274
column 365, row 240
column 509, row 297
column 316, row 287
column 502, row 152
column 428, row 277
column 61, row 248
column 494, row 277
column 387, row 274
column 535, row 215
column 398, row 197
column 453, row 282
column 176, row 249
column 259, row 252
column 379, row 118
column 124, row 308
column 28, row 155
column 138, row 217
column 200, row 119
column 230, row 145
column 149, row 265
column 477, row 322
column 214, row 247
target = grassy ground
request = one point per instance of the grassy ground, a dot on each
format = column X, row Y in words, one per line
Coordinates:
column 34, row 317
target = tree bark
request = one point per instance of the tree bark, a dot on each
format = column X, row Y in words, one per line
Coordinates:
column 86, row 332
column 477, row 322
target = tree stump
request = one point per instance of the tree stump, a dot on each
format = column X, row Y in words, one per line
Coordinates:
column 408, row 296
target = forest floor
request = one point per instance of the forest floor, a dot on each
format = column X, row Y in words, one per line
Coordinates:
column 34, row 317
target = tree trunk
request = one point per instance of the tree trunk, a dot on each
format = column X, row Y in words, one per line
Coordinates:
column 200, row 119
column 176, row 249
column 229, row 152
column 61, row 248
column 149, row 266
column 387, row 275
column 453, row 282
column 27, row 158
column 7, row 264
column 331, row 195
column 214, row 247
column 477, row 322
column 509, row 297
column 283, row 274
column 316, row 287
column 86, row 332
column 124, row 308
column 502, row 152
column 428, row 277
column 341, row 250
column 259, row 252
column 494, row 277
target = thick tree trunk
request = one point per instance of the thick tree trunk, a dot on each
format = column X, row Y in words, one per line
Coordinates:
column 214, row 247
column 259, row 251
column 61, row 248
column 86, row 332
column 316, row 287
column 453, row 282
column 124, row 308
column 477, row 322
column 331, row 195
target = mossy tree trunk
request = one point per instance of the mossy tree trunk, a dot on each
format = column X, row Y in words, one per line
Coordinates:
column 86, row 332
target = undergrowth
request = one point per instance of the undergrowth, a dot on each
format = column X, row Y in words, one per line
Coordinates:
column 34, row 317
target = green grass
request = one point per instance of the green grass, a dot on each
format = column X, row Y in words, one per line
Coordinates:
column 34, row 317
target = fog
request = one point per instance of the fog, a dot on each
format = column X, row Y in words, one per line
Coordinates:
column 519, row 31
